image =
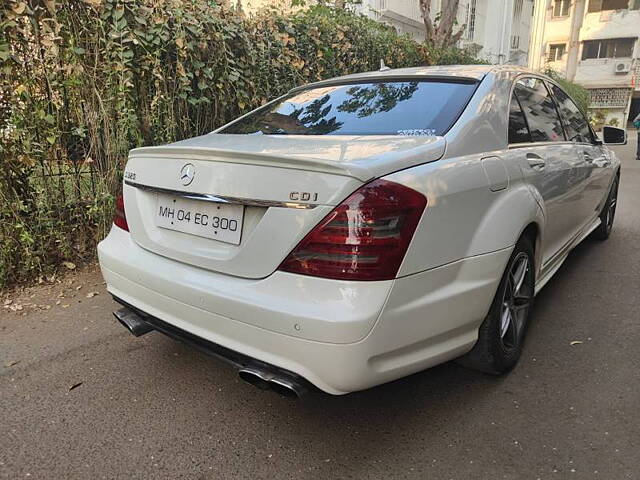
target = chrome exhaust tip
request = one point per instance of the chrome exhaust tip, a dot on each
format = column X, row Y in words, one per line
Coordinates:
column 265, row 380
column 132, row 322
column 286, row 388
column 257, row 378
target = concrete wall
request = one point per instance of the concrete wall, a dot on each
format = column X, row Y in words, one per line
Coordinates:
column 522, row 28
column 403, row 15
column 603, row 25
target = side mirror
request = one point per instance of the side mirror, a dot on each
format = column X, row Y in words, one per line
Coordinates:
column 614, row 136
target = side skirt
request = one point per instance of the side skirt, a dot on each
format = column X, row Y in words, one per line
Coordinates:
column 555, row 263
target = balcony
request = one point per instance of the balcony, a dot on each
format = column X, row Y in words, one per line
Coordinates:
column 409, row 9
column 601, row 72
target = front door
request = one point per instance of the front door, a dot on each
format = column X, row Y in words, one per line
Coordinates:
column 594, row 158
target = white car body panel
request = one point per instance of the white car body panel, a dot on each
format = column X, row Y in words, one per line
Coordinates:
column 333, row 168
column 401, row 341
column 359, row 156
column 344, row 336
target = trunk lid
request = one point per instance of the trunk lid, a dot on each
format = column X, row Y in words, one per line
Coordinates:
column 286, row 185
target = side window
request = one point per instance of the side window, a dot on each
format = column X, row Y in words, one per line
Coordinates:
column 518, row 129
column 539, row 110
column 575, row 124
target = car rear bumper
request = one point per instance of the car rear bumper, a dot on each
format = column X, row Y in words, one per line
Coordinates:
column 340, row 336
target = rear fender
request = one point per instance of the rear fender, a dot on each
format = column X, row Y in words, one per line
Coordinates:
column 464, row 218
column 505, row 221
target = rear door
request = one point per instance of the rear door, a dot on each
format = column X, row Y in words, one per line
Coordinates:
column 549, row 162
column 593, row 158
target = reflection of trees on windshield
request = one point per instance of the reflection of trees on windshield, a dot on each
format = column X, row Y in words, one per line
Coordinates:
column 325, row 111
column 313, row 117
column 310, row 119
column 376, row 98
column 363, row 101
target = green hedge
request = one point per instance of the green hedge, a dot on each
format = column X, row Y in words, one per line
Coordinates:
column 82, row 82
column 577, row 92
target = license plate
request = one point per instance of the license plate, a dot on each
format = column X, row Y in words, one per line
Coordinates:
column 219, row 221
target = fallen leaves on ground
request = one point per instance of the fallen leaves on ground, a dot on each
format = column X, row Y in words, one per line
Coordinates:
column 74, row 386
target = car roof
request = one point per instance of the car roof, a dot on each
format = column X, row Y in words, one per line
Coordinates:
column 461, row 72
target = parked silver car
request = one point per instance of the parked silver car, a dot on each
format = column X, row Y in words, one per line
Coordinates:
column 363, row 228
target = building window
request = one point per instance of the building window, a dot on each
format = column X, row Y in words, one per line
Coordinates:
column 516, row 24
column 611, row 48
column 556, row 51
column 471, row 19
column 600, row 5
column 561, row 8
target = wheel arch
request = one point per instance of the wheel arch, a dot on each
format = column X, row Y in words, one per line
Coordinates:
column 532, row 232
column 513, row 214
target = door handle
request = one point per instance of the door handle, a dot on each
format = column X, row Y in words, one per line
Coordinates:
column 535, row 161
column 600, row 161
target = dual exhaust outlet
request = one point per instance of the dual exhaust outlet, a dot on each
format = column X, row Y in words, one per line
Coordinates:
column 263, row 377
column 267, row 380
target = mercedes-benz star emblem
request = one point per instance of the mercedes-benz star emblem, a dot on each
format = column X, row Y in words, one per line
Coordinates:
column 187, row 173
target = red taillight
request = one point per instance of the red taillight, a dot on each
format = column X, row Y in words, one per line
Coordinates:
column 120, row 218
column 363, row 238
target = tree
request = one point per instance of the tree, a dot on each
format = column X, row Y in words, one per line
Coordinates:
column 441, row 33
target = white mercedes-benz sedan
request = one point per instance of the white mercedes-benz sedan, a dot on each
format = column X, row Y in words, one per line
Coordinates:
column 360, row 229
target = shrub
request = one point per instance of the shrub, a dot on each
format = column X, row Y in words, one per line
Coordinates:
column 578, row 93
column 454, row 56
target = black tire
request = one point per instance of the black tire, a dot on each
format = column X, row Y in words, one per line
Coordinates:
column 498, row 350
column 608, row 213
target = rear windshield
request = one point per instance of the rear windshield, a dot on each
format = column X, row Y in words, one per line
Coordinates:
column 377, row 108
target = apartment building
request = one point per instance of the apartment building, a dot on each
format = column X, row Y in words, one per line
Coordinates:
column 496, row 30
column 595, row 44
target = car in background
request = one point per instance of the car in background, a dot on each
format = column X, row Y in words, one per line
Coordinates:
column 363, row 228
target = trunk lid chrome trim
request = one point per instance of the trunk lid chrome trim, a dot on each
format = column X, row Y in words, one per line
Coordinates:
column 221, row 198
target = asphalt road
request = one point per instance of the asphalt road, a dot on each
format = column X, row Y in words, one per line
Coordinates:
column 152, row 408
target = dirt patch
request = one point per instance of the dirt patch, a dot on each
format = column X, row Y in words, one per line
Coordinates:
column 76, row 285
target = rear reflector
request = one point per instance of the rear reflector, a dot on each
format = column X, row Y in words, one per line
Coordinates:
column 120, row 218
column 363, row 238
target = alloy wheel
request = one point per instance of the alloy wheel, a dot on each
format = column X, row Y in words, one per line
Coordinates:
column 516, row 302
column 611, row 208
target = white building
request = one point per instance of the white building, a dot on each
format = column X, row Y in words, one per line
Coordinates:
column 498, row 30
column 594, row 43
